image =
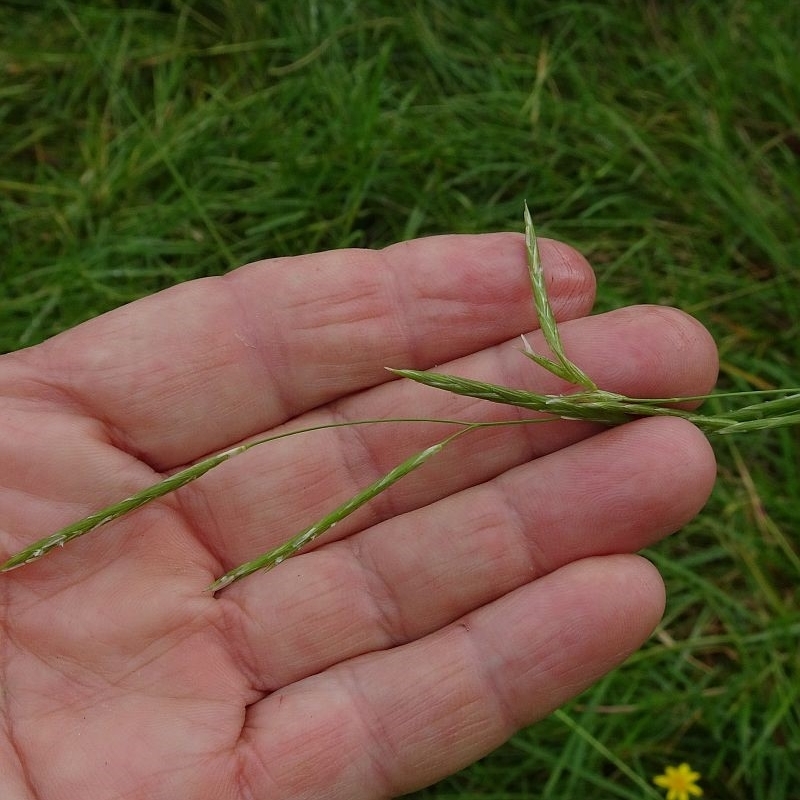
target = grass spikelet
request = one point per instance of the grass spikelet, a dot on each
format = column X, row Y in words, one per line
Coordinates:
column 300, row 540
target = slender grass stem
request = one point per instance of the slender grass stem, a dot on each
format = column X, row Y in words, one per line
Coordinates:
column 589, row 403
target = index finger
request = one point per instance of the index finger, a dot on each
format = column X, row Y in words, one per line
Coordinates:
column 205, row 364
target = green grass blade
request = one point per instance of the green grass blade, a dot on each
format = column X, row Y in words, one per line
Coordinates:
column 768, row 408
column 750, row 425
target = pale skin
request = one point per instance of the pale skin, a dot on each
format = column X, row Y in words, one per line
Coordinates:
column 477, row 595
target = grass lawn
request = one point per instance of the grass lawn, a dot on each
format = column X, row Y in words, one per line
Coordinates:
column 171, row 140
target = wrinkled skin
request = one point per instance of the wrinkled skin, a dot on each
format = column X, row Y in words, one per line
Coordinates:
column 476, row 596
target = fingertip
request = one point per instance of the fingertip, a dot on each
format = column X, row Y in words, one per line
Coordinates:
column 668, row 470
column 690, row 344
column 617, row 600
column 648, row 583
column 574, row 283
column 572, row 627
column 691, row 461
column 493, row 267
column 703, row 460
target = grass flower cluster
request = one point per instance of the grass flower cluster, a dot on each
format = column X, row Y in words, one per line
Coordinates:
column 588, row 402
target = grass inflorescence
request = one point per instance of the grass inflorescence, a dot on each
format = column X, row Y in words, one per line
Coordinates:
column 588, row 403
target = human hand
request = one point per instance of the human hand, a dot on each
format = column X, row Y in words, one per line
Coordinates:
column 477, row 595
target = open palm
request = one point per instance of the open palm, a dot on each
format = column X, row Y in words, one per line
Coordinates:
column 477, row 595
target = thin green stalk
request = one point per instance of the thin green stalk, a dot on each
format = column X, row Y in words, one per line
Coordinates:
column 589, row 403
column 607, row 753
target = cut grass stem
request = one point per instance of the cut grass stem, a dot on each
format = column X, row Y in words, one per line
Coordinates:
column 590, row 403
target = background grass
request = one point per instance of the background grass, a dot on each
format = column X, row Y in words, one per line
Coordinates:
column 150, row 144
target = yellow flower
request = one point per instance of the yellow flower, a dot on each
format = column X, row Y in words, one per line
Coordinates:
column 680, row 782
